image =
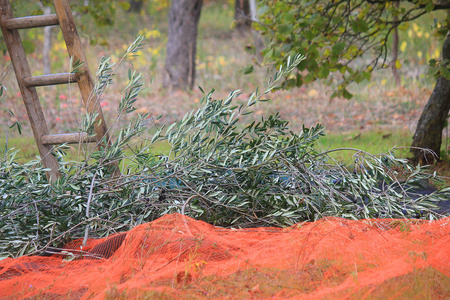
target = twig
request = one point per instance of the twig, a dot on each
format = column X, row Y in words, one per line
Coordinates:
column 350, row 149
column 173, row 259
column 86, row 232
column 183, row 210
column 186, row 202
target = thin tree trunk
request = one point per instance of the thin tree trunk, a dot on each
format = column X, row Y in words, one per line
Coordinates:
column 252, row 9
column 47, row 69
column 184, row 16
column 395, row 51
column 257, row 38
column 429, row 129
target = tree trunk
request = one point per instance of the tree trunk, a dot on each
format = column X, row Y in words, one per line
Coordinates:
column 181, row 46
column 395, row 51
column 242, row 15
column 429, row 129
column 47, row 69
column 252, row 9
column 135, row 6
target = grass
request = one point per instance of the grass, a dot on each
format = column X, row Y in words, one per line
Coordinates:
column 375, row 142
column 424, row 283
column 28, row 149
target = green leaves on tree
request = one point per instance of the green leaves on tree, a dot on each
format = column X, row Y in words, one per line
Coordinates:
column 334, row 34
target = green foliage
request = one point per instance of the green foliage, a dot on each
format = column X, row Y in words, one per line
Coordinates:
column 102, row 12
column 5, row 107
column 219, row 170
column 334, row 34
column 439, row 68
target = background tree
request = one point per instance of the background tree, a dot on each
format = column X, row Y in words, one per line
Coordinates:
column 242, row 15
column 435, row 114
column 102, row 12
column 184, row 16
column 46, row 9
column 395, row 40
column 333, row 35
column 135, row 6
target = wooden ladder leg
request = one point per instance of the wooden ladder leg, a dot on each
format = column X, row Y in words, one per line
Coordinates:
column 29, row 94
column 84, row 77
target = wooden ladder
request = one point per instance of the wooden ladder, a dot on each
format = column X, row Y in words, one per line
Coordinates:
column 28, row 83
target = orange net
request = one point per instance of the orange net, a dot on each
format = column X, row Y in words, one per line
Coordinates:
column 177, row 257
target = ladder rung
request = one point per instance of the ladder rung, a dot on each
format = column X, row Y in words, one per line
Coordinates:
column 51, row 79
column 31, row 22
column 70, row 138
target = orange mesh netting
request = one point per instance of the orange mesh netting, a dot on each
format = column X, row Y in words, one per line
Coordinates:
column 177, row 257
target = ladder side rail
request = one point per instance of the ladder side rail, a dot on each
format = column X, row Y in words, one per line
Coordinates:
column 84, row 77
column 29, row 94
